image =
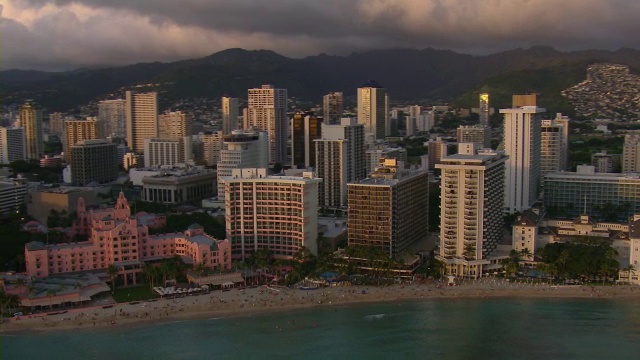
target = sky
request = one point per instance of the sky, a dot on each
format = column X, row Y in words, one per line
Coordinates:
column 67, row 34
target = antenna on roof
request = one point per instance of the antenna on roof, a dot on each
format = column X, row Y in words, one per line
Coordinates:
column 585, row 204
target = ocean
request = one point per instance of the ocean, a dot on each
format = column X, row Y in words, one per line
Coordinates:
column 508, row 328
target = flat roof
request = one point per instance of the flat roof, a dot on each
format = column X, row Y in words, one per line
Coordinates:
column 389, row 182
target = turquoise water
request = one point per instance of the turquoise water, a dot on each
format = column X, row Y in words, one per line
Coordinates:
column 435, row 329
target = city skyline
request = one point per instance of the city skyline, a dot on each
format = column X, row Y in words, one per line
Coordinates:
column 116, row 33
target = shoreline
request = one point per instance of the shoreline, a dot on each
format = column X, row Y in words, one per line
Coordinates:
column 255, row 301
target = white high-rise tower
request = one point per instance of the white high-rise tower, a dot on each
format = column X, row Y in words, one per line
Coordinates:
column 522, row 144
column 142, row 119
column 267, row 111
column 340, row 158
column 471, row 208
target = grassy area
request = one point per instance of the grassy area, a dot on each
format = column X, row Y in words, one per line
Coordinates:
column 134, row 294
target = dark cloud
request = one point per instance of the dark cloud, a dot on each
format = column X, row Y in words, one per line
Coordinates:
column 70, row 33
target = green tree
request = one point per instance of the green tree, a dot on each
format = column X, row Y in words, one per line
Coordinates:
column 469, row 253
column 113, row 271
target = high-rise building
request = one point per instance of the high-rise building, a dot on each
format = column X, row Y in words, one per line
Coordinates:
column 333, row 107
column 412, row 119
column 340, row 159
column 631, row 153
column 478, row 134
column 389, row 210
column 242, row 149
column 112, row 114
column 471, row 201
column 267, row 111
column 522, row 145
column 11, row 196
column 94, row 161
column 373, row 110
column 142, row 119
column 554, row 146
column 604, row 196
column 305, row 128
column 31, row 122
column 174, row 125
column 12, row 145
column 438, row 148
column 77, row 131
column 484, row 109
column 605, row 163
column 426, row 121
column 211, row 146
column 56, row 124
column 160, row 152
column 278, row 213
column 230, row 114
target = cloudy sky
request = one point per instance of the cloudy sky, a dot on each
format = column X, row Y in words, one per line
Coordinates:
column 66, row 34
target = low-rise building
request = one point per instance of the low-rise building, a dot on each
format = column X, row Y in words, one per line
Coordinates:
column 602, row 195
column 124, row 241
column 61, row 199
column 531, row 231
column 178, row 186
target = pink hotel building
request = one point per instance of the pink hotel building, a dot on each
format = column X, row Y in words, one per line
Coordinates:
column 117, row 238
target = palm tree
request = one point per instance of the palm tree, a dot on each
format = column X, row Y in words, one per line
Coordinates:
column 610, row 264
column 201, row 269
column 262, row 257
column 113, row 271
column 469, row 253
column 164, row 269
column 149, row 272
column 3, row 300
column 526, row 254
column 51, row 293
column 631, row 270
column 20, row 262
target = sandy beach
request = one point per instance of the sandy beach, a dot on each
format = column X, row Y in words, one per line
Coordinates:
column 262, row 299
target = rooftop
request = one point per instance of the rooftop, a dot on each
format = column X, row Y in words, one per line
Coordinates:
column 385, row 181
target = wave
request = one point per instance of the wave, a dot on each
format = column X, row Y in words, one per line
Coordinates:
column 374, row 317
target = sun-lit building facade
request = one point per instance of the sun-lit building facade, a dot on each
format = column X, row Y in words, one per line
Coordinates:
column 119, row 239
column 278, row 213
column 389, row 209
column 522, row 142
column 471, row 202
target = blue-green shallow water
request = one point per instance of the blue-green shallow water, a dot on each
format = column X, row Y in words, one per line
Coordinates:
column 437, row 329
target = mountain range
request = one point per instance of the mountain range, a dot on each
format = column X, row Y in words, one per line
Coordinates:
column 408, row 74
